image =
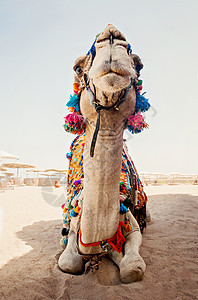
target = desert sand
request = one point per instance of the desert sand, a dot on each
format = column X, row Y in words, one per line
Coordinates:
column 29, row 249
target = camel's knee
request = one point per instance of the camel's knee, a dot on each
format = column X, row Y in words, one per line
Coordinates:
column 70, row 260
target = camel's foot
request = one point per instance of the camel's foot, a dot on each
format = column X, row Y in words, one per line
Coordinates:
column 132, row 268
column 71, row 262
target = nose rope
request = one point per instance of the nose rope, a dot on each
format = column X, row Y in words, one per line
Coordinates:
column 98, row 107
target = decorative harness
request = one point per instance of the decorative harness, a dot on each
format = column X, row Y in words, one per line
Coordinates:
column 98, row 107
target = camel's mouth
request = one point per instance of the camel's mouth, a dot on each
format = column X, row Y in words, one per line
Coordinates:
column 113, row 68
column 111, row 75
column 113, row 81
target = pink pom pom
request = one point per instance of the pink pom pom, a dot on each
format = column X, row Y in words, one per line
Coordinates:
column 74, row 123
column 136, row 123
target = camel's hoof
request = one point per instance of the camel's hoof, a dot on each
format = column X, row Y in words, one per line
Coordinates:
column 71, row 263
column 132, row 270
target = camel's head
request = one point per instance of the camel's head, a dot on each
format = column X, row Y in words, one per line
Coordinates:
column 105, row 76
column 109, row 64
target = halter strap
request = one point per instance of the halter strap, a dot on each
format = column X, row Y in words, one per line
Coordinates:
column 98, row 107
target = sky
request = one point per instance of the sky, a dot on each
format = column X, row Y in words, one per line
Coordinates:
column 40, row 41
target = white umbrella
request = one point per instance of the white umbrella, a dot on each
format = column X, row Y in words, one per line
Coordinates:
column 2, row 169
column 5, row 155
column 59, row 171
column 55, row 170
column 8, row 173
column 35, row 171
column 17, row 165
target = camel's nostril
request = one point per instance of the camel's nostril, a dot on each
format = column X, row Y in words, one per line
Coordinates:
column 111, row 38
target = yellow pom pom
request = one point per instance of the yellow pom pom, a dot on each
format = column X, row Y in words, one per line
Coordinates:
column 77, row 209
column 128, row 227
column 64, row 210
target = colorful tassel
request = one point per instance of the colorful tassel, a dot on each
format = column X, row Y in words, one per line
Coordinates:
column 123, row 209
column 142, row 103
column 64, row 241
column 77, row 182
column 123, row 188
column 77, row 209
column 92, row 49
column 64, row 210
column 74, row 102
column 73, row 213
column 74, row 123
column 128, row 226
column 76, row 88
column 136, row 123
column 129, row 49
column 69, row 155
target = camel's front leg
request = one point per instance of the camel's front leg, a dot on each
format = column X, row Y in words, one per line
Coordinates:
column 131, row 264
column 70, row 260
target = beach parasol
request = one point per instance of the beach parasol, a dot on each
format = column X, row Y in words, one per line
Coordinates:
column 17, row 165
column 55, row 170
column 3, row 169
column 35, row 171
column 59, row 171
column 8, row 174
column 5, row 155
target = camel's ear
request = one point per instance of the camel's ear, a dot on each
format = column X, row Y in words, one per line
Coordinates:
column 137, row 63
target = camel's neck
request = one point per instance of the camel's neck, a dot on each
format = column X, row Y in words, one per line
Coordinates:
column 101, row 203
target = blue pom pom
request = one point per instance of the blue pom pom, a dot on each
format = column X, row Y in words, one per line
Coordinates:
column 92, row 49
column 123, row 209
column 129, row 49
column 74, row 102
column 142, row 103
column 69, row 155
column 73, row 213
column 65, row 240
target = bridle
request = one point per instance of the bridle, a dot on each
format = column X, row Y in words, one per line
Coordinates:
column 98, row 107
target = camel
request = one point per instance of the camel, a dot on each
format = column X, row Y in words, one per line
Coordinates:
column 106, row 87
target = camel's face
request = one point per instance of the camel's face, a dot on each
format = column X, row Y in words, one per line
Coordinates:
column 112, row 66
column 109, row 72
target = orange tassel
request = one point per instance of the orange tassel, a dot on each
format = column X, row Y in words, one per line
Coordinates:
column 128, row 227
column 64, row 210
column 76, row 86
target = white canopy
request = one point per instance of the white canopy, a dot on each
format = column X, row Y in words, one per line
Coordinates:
column 5, row 155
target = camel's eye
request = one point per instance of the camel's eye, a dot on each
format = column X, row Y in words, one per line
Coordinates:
column 78, row 70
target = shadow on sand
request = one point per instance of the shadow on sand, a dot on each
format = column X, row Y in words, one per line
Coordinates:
column 169, row 250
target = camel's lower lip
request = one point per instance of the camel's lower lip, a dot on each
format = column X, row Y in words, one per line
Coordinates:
column 111, row 73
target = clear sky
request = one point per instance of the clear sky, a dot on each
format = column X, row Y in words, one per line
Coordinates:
column 40, row 40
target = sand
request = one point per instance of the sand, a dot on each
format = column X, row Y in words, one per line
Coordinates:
column 30, row 248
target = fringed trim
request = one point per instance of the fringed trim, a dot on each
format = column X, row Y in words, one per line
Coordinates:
column 116, row 241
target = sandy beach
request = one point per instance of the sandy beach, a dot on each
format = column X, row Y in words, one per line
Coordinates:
column 29, row 249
